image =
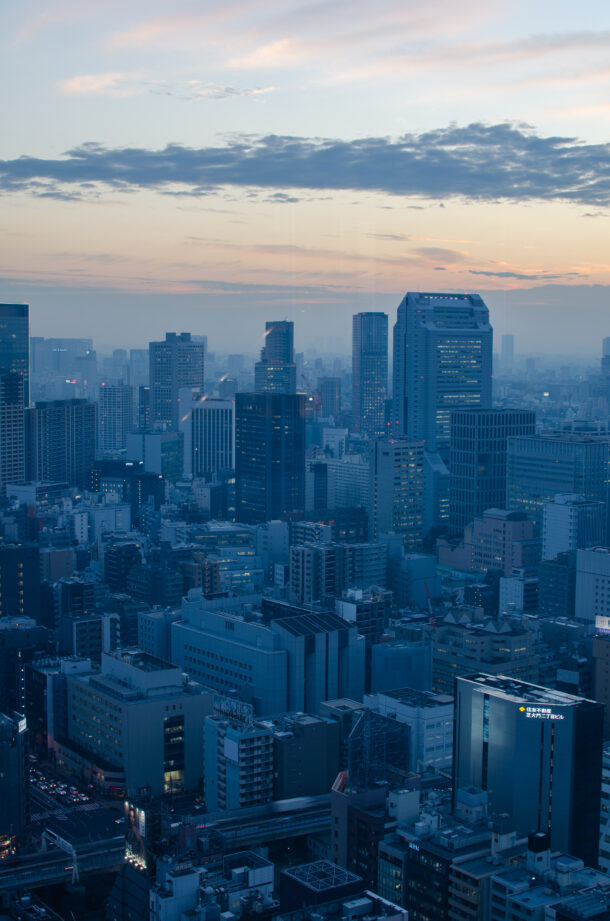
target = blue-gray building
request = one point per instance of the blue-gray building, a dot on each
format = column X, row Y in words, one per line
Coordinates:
column 369, row 372
column 538, row 754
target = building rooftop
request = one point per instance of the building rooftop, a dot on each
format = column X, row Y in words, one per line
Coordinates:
column 516, row 690
column 322, row 875
column 415, row 698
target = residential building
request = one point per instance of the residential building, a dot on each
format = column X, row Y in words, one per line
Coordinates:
column 238, row 764
column 396, row 496
column 115, row 416
column 60, row 441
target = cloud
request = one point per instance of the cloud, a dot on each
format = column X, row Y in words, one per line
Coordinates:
column 136, row 84
column 477, row 162
column 527, row 276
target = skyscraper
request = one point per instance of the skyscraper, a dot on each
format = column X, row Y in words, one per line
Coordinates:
column 369, row 372
column 60, row 441
column 13, row 776
column 508, row 353
column 477, row 459
column 115, row 416
column 269, row 456
column 177, row 362
column 442, row 361
column 538, row 754
column 396, row 496
column 276, row 370
column 12, row 429
column 209, row 434
column 15, row 343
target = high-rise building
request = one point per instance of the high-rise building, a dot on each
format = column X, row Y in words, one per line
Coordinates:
column 175, row 363
column 571, row 523
column 12, row 429
column 477, row 459
column 330, row 396
column 238, row 764
column 269, row 456
column 19, row 580
column 538, row 467
column 209, row 434
column 276, row 370
column 606, row 359
column 443, row 346
column 60, row 441
column 537, row 753
column 13, row 777
column 507, row 354
column 115, row 416
column 15, row 343
column 396, row 496
column 369, row 372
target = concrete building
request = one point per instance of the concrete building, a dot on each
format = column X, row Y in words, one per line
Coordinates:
column 396, row 494
column 592, row 598
column 60, row 442
column 238, row 764
column 518, row 593
column 502, row 541
column 465, row 640
column 430, row 718
column 369, row 372
column 14, row 780
column 115, row 416
column 557, row 585
column 140, row 721
column 209, row 434
column 174, row 363
column 306, row 754
column 537, row 752
column 12, row 428
column 442, row 362
column 571, row 522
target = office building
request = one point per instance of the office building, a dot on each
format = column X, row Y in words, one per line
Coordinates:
column 430, row 718
column 538, row 467
column 174, row 363
column 115, row 416
column 503, row 541
column 19, row 580
column 159, row 452
column 238, row 770
column 137, row 723
column 538, row 754
column 601, row 675
column 557, row 585
column 571, row 523
column 269, row 456
column 276, row 370
column 369, row 372
column 330, row 397
column 396, row 495
column 518, row 593
column 306, row 752
column 60, row 442
column 507, row 353
column 14, row 777
column 465, row 641
column 12, row 429
column 592, row 599
column 208, row 427
column 442, row 362
column 15, row 343
column 477, row 460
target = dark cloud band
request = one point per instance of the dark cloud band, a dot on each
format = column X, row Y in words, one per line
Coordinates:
column 477, row 162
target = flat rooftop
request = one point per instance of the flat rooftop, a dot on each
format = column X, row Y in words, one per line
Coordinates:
column 322, row 875
column 513, row 689
column 414, row 698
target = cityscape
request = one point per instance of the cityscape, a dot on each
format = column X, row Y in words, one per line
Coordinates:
column 298, row 635
column 304, row 461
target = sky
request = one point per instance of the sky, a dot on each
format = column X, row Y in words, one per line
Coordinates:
column 209, row 166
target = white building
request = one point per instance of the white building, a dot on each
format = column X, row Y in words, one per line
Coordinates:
column 571, row 522
column 430, row 717
column 592, row 584
column 209, row 433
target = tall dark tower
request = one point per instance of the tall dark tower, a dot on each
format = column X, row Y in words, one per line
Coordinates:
column 269, row 456
column 276, row 370
column 15, row 343
column 369, row 372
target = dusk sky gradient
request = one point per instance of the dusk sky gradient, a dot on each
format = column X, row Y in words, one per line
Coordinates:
column 210, row 166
